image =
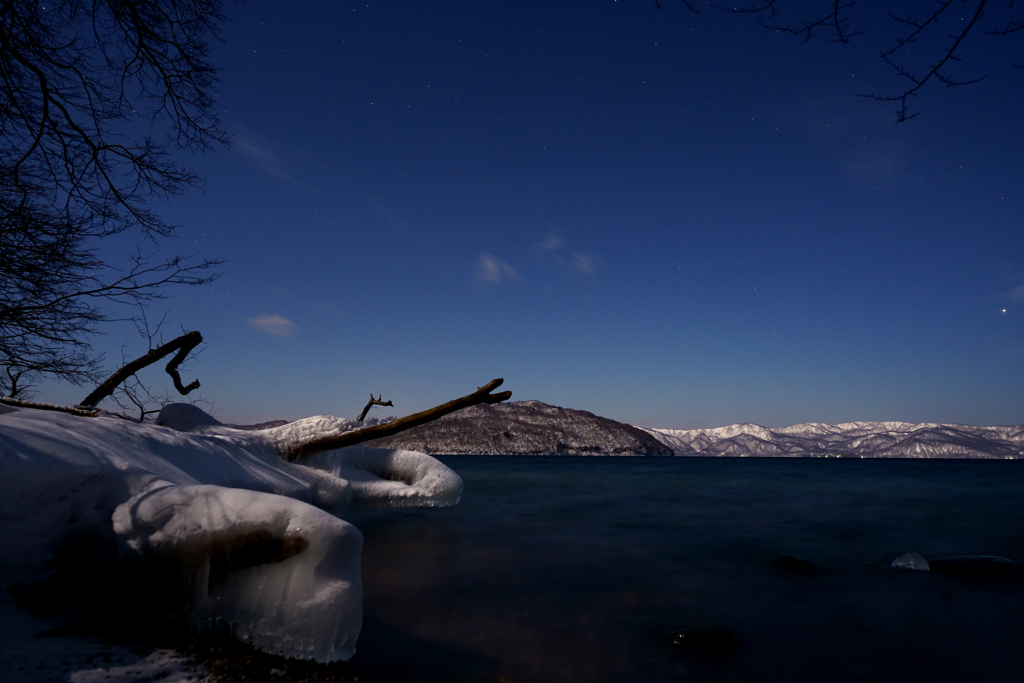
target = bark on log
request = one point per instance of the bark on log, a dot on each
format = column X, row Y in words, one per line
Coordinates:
column 183, row 345
column 481, row 395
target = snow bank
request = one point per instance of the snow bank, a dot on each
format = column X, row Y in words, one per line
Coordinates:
column 258, row 538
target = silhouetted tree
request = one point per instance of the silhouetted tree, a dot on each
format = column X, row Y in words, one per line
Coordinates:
column 927, row 47
column 94, row 97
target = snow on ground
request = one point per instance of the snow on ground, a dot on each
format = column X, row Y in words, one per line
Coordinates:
column 27, row 657
column 259, row 541
column 164, row 666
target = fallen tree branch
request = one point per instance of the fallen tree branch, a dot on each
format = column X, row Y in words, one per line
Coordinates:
column 875, row 566
column 373, row 402
column 481, row 395
column 183, row 345
column 73, row 410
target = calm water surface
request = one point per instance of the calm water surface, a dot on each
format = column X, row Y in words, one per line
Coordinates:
column 573, row 569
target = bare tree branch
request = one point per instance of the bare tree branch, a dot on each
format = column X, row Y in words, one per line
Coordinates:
column 183, row 345
column 1011, row 27
column 133, row 392
column 835, row 20
column 919, row 43
column 317, row 445
column 934, row 71
column 373, row 402
column 78, row 80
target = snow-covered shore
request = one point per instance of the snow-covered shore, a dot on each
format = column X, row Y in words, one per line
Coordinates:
column 258, row 544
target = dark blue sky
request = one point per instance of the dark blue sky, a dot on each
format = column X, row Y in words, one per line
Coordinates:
column 668, row 219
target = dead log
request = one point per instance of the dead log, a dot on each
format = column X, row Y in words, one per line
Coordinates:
column 373, row 402
column 481, row 395
column 183, row 345
column 18, row 403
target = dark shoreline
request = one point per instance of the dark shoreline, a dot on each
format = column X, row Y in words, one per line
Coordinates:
column 223, row 657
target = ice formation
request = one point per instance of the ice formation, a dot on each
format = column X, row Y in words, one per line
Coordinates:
column 259, row 538
column 282, row 574
column 381, row 477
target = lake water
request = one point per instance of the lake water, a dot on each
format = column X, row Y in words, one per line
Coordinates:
column 574, row 569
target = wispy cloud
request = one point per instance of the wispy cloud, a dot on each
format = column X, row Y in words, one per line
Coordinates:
column 880, row 163
column 258, row 149
column 272, row 324
column 389, row 217
column 550, row 243
column 550, row 249
column 490, row 268
column 1016, row 294
column 583, row 262
column 288, row 298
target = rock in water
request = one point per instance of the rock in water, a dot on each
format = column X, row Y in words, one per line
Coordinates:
column 787, row 564
column 525, row 428
column 714, row 641
column 911, row 561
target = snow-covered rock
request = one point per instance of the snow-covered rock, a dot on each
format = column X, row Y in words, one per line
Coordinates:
column 851, row 439
column 913, row 561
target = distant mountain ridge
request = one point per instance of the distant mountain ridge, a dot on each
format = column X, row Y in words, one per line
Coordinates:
column 525, row 428
column 851, row 439
column 536, row 428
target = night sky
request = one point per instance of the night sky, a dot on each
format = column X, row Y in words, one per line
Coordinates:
column 667, row 219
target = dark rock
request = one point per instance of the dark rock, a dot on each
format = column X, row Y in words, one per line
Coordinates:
column 787, row 564
column 714, row 641
column 525, row 428
column 261, row 425
column 977, row 567
column 184, row 417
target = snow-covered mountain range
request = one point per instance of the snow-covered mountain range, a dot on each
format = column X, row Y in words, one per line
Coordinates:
column 535, row 428
column 851, row 439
